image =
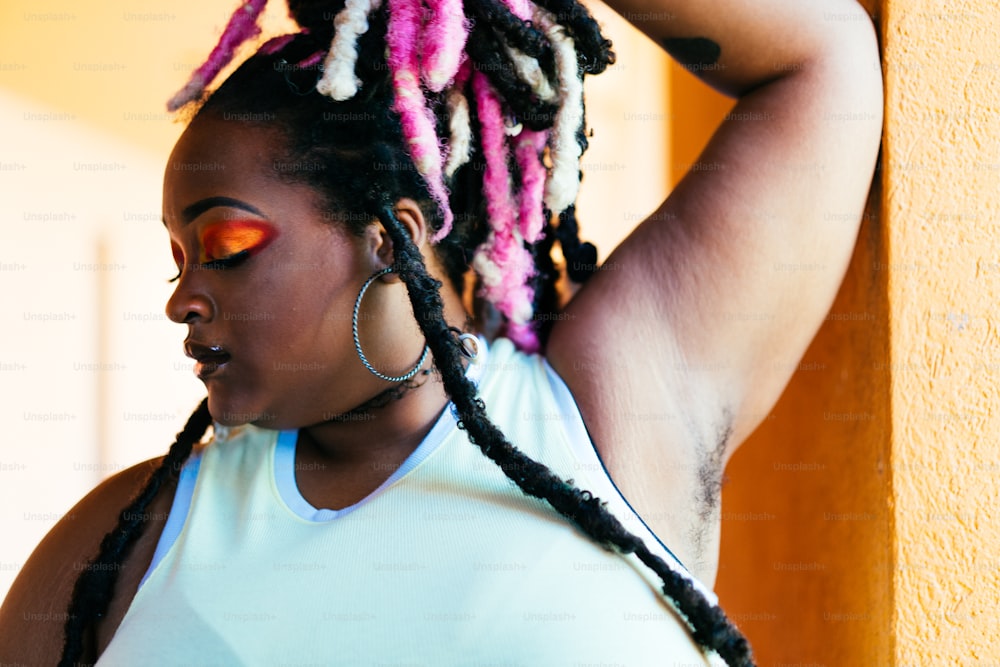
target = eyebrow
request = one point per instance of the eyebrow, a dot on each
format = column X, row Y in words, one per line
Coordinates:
column 194, row 210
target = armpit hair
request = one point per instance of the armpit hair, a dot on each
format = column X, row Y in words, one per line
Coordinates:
column 710, row 479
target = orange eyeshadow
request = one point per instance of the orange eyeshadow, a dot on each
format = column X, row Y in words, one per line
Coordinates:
column 225, row 239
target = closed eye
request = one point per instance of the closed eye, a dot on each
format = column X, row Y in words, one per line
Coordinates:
column 228, row 244
column 223, row 263
column 232, row 241
column 230, row 262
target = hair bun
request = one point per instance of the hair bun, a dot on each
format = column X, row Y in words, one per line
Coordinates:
column 315, row 15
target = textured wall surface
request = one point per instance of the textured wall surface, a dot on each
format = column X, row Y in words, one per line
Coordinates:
column 942, row 162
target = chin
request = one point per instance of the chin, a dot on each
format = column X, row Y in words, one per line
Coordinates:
column 236, row 413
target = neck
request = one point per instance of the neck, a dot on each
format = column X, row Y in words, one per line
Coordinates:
column 390, row 425
column 340, row 462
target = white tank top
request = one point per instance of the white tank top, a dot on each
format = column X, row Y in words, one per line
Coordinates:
column 446, row 563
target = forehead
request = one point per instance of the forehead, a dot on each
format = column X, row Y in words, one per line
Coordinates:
column 215, row 157
column 216, row 138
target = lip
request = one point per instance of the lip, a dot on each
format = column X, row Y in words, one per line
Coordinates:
column 209, row 359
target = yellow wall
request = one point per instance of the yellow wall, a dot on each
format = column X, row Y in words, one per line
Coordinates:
column 942, row 166
column 112, row 64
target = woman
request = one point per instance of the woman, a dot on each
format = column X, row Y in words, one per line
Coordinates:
column 339, row 515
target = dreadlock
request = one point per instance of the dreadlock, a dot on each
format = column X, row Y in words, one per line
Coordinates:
column 457, row 112
column 93, row 588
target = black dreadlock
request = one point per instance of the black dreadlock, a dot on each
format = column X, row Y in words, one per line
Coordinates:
column 484, row 46
column 593, row 49
column 93, row 589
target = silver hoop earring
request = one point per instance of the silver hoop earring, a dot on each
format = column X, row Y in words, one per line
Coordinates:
column 357, row 341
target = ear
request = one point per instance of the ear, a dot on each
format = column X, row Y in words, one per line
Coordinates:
column 380, row 243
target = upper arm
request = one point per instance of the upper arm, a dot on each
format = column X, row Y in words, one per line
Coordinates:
column 34, row 612
column 710, row 303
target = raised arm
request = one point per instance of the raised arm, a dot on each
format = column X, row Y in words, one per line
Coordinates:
column 705, row 309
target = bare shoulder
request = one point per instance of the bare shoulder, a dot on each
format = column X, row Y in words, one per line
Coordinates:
column 34, row 612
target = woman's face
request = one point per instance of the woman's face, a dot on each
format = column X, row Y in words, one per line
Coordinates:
column 267, row 285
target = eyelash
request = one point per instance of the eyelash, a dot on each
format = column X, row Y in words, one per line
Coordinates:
column 222, row 264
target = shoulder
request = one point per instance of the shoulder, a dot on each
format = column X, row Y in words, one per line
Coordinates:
column 34, row 612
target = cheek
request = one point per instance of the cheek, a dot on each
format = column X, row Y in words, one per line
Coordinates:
column 296, row 311
column 318, row 283
column 299, row 297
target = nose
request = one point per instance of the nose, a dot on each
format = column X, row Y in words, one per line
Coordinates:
column 190, row 302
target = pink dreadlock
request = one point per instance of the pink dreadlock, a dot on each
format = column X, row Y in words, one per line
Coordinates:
column 241, row 27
